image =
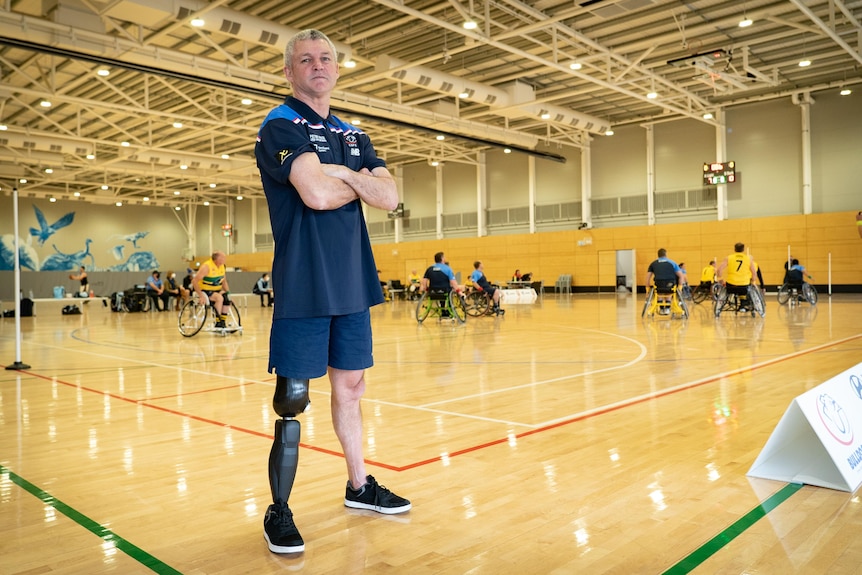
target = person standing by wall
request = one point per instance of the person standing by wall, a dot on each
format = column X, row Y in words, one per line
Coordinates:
column 317, row 171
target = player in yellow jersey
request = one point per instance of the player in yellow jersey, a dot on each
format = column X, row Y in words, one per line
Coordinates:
column 210, row 283
column 736, row 272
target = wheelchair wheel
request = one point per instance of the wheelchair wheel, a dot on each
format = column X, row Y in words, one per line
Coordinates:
column 456, row 304
column 478, row 303
column 757, row 303
column 700, row 293
column 649, row 302
column 423, row 308
column 809, row 292
column 783, row 294
column 233, row 321
column 684, row 307
column 720, row 299
column 192, row 318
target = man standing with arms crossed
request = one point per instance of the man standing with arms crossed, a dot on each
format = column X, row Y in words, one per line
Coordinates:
column 316, row 172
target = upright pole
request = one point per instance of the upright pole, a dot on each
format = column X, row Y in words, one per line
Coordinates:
column 18, row 365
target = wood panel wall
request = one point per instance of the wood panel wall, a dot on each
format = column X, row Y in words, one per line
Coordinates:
column 812, row 239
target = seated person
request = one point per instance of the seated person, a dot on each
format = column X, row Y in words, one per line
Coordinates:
column 179, row 293
column 263, row 288
column 384, row 287
column 707, row 275
column 210, row 283
column 665, row 274
column 414, row 282
column 478, row 278
column 740, row 270
column 516, row 277
column 156, row 291
column 527, row 277
column 439, row 278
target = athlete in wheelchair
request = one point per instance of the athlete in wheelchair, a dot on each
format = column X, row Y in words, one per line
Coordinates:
column 210, row 307
column 795, row 289
column 664, row 295
column 483, row 289
column 440, row 294
column 737, row 291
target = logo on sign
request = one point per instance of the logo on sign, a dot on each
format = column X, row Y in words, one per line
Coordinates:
column 856, row 384
column 834, row 419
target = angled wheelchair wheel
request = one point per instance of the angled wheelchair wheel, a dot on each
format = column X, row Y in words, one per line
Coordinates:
column 683, row 305
column 757, row 303
column 233, row 322
column 809, row 292
column 423, row 307
column 456, row 305
column 478, row 304
column 649, row 302
column 783, row 294
column 720, row 299
column 700, row 293
column 192, row 318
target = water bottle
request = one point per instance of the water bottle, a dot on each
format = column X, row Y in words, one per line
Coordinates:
column 31, row 294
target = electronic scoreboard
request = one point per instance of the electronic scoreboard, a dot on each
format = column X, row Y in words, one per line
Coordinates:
column 719, row 173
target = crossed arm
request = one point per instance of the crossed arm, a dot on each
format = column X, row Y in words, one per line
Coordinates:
column 330, row 186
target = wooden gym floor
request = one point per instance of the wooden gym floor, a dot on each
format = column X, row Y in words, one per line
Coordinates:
column 570, row 436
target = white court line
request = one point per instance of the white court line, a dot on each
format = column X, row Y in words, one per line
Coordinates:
column 555, row 379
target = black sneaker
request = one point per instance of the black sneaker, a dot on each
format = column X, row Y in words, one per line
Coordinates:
column 280, row 532
column 375, row 497
column 220, row 324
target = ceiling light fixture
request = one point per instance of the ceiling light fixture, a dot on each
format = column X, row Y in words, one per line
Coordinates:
column 45, row 104
column 507, row 150
column 575, row 65
column 197, row 22
column 745, row 22
column 609, row 132
column 441, row 137
column 176, row 192
column 91, row 156
column 52, row 199
column 845, row 91
column 212, row 185
column 177, row 208
column 119, row 204
column 804, row 63
column 184, row 167
column 707, row 116
column 22, row 181
column 3, row 127
column 177, row 124
column 652, row 95
column 77, row 194
column 103, row 72
column 470, row 25
column 246, row 101
column 49, row 171
column 125, row 144
column 350, row 63
column 146, row 198
column 105, row 186
column 239, row 198
column 206, row 203
column 225, row 156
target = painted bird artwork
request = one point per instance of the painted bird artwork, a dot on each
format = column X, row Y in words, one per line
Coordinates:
column 45, row 231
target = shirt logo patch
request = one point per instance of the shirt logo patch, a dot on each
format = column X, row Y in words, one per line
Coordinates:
column 283, row 155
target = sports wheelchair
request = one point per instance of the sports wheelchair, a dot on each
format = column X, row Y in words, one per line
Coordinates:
column 442, row 305
column 671, row 303
column 732, row 300
column 796, row 293
column 479, row 303
column 704, row 290
column 195, row 316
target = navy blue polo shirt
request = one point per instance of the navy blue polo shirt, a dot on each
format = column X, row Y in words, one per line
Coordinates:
column 323, row 263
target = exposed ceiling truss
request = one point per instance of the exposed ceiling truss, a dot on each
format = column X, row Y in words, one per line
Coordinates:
column 174, row 121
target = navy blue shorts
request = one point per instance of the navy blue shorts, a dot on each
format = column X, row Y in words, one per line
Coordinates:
column 302, row 348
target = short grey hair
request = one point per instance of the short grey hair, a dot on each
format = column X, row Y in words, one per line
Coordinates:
column 309, row 34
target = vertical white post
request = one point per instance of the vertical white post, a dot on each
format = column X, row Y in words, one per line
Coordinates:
column 399, row 185
column 17, row 273
column 586, row 185
column 439, row 173
column 650, row 162
column 531, row 194
column 481, row 195
column 721, row 154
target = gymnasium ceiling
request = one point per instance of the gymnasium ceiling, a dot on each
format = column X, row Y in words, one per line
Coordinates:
column 538, row 76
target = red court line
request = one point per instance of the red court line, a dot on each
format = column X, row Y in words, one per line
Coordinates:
column 582, row 417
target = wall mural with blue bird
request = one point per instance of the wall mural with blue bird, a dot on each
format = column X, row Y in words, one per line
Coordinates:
column 69, row 249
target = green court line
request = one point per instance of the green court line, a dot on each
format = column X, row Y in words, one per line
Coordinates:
column 104, row 533
column 712, row 546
